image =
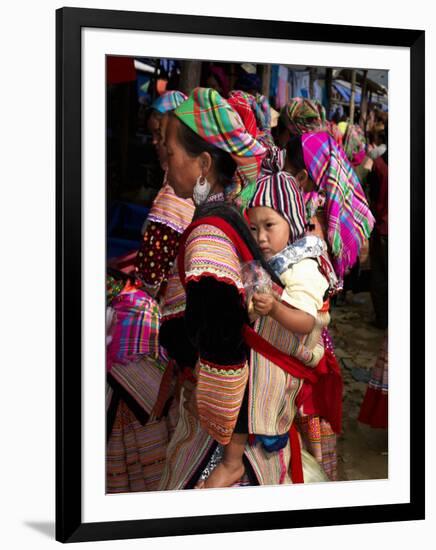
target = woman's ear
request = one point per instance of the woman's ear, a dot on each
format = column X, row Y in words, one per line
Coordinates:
column 205, row 163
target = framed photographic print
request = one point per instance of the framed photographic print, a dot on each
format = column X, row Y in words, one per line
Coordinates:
column 227, row 304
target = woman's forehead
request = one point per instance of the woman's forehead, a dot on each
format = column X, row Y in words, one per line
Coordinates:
column 171, row 126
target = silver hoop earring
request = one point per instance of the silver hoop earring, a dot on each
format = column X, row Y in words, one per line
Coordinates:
column 201, row 190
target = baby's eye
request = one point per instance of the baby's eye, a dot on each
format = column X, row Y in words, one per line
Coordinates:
column 269, row 224
column 252, row 228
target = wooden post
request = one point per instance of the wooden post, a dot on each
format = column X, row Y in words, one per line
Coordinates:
column 329, row 84
column 266, row 79
column 190, row 76
column 364, row 101
column 312, row 75
column 233, row 76
column 353, row 93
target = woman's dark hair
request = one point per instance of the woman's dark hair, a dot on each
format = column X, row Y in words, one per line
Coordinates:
column 223, row 163
column 294, row 153
column 153, row 112
column 281, row 126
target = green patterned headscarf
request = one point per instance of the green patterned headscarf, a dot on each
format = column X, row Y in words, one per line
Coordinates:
column 211, row 117
column 301, row 115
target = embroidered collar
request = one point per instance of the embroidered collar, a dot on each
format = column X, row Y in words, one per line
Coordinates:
column 310, row 246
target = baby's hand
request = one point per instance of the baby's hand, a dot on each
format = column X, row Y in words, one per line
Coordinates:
column 263, row 303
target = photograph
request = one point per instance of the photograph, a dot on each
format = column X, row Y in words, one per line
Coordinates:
column 227, row 211
column 225, row 199
column 247, row 274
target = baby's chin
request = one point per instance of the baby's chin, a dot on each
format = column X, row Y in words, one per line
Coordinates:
column 268, row 255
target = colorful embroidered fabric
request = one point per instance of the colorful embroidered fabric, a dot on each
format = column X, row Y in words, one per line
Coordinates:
column 256, row 116
column 271, row 407
column 168, row 101
column 135, row 456
column 167, row 219
column 141, row 379
column 171, row 210
column 191, row 448
column 156, row 256
column 174, row 303
column 278, row 190
column 210, row 252
column 136, row 331
column 220, row 389
column 317, row 433
column 219, row 393
column 241, row 102
column 259, row 106
column 113, row 288
column 349, row 219
column 213, row 119
column 320, row 440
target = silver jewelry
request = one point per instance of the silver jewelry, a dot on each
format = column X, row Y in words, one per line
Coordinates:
column 202, row 189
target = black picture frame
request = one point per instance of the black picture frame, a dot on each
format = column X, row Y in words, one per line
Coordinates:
column 69, row 22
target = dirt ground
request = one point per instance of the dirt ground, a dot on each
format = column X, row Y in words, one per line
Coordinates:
column 362, row 451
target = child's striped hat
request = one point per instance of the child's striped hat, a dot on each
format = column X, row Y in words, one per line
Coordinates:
column 279, row 190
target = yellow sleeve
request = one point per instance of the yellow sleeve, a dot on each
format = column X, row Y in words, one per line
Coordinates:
column 305, row 287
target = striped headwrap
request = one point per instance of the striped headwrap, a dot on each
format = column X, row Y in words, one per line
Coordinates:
column 211, row 117
column 278, row 190
column 302, row 115
column 242, row 103
column 168, row 101
column 261, row 111
column 258, row 104
column 354, row 144
column 348, row 217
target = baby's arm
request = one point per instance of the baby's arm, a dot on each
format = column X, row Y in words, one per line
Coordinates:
column 290, row 318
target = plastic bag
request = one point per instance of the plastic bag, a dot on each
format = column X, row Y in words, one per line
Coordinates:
column 255, row 279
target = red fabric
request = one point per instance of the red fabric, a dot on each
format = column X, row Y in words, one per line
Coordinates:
column 324, row 398
column 187, row 374
column 305, row 398
column 120, row 69
column 243, row 108
column 296, row 463
column 374, row 409
column 288, row 363
column 358, row 158
column 327, row 392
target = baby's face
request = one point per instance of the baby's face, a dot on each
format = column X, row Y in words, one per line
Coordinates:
column 270, row 230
